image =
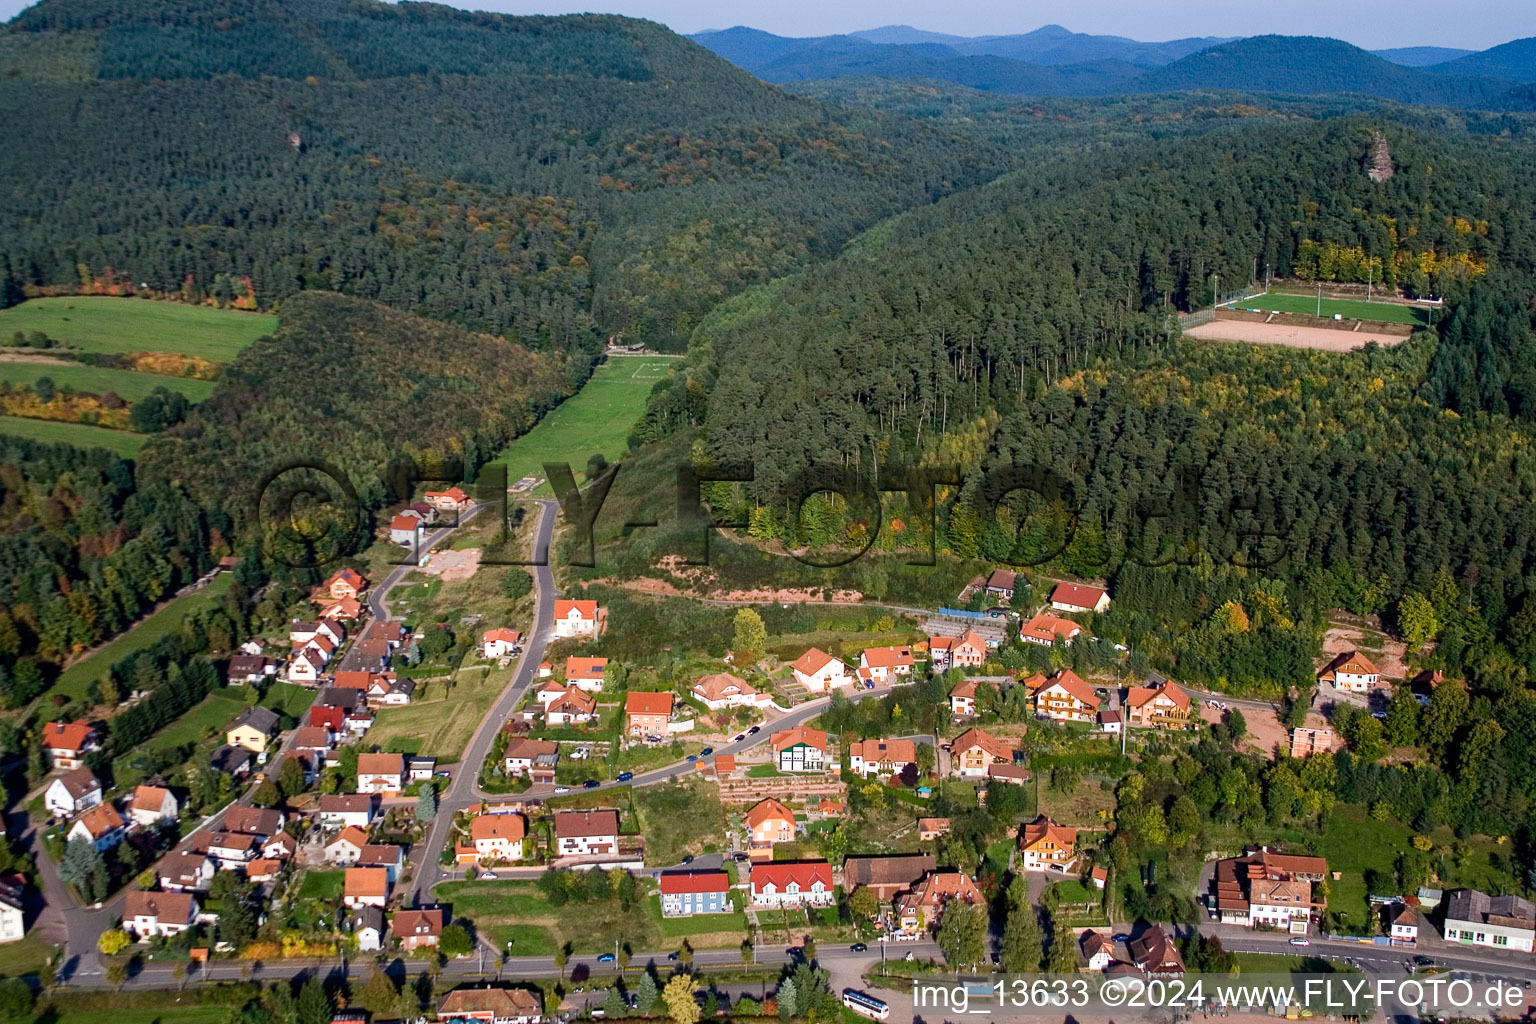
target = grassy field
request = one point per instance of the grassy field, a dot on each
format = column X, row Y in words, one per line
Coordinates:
column 129, row 384
column 73, row 682
column 102, row 324
column 1387, row 312
column 680, row 818
column 322, row 885
column 441, row 720
column 80, row 435
column 519, row 913
column 595, row 419
column 212, row 713
column 25, row 956
column 168, row 1014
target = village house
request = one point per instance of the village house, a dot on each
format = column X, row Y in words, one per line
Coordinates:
column 346, row 846
column 800, row 750
column 13, row 918
column 75, row 791
column 253, row 729
column 1098, row 877
column 790, row 883
column 1154, row 952
column 578, row 618
column 570, row 707
column 500, row 642
column 385, row 690
column 1164, row 706
column 1045, row 629
column 929, row 829
column 344, row 809
column 311, row 739
column 418, row 929
column 306, row 666
column 405, row 531
column 768, row 822
column 345, row 609
column 245, row 669
column 380, row 773
column 420, row 510
column 685, row 893
column 365, row 887
column 451, row 500
column 1065, row 698
column 723, row 690
column 974, row 751
column 262, row 870
column 1098, row 949
column 1043, row 845
column 389, row 856
column 647, row 714
column 491, row 1006
column 233, row 761
column 419, row 768
column 1111, row 722
column 1403, row 924
column 534, row 758
column 280, row 847
column 101, row 825
column 302, row 631
column 256, row 821
column 962, row 699
column 885, row 664
column 378, row 641
column 1271, row 890
column 67, row 743
column 922, row 909
column 1352, row 672
column 233, row 849
column 1072, row 597
column 586, row 673
column 150, row 805
column 947, row 652
column 332, row 720
column 368, row 929
column 344, row 583
column 881, row 757
column 1474, row 918
column 498, row 837
column 887, row 876
column 816, row 670
column 150, row 914
column 583, row 833
column 186, row 871
column 1001, row 583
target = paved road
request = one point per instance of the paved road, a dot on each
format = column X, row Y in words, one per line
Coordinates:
column 464, row 789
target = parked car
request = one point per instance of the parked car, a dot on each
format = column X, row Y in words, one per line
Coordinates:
column 591, row 784
column 488, row 876
column 692, row 758
column 754, row 730
column 997, row 613
column 688, row 858
column 626, row 776
column 706, row 751
column 739, row 737
column 606, row 958
column 562, row 789
column 1300, row 941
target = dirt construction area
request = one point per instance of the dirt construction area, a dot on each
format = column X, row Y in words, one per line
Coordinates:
column 452, row 566
column 1266, row 734
column 1322, row 338
column 1390, row 656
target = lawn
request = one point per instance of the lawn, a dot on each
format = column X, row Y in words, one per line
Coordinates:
column 74, row 680
column 103, row 324
column 1387, row 312
column 129, row 384
column 440, row 722
column 596, row 419
column 288, row 699
column 25, row 956
column 321, row 885
column 168, row 1014
column 726, row 926
column 81, row 435
column 211, row 714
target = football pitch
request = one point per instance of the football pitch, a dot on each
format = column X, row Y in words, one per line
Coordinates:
column 596, row 419
column 1358, row 309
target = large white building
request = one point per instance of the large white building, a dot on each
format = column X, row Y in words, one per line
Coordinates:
column 1474, row 918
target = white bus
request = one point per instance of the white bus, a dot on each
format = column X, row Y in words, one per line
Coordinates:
column 865, row 1005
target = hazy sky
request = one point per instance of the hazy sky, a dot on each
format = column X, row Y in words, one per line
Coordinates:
column 1374, row 24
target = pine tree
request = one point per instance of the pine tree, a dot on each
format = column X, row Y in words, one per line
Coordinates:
column 646, row 994
column 426, row 804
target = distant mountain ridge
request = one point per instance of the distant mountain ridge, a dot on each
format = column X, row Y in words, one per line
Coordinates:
column 1053, row 61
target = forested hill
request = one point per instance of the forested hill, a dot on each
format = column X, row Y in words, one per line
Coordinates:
column 554, row 180
column 948, row 313
column 361, row 387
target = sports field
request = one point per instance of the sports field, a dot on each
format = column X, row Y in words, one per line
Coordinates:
column 93, row 323
column 128, row 384
column 595, row 419
column 1359, row 309
column 80, row 435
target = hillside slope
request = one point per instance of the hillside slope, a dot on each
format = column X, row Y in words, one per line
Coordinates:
column 557, row 180
column 1515, row 59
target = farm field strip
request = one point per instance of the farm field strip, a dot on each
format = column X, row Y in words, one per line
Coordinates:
column 103, row 324
column 81, row 435
column 1359, row 309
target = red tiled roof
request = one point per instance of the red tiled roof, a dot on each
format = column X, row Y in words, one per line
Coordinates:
column 1076, row 595
column 812, row 661
column 674, row 882
column 498, row 826
column 799, row 734
column 585, row 609
column 640, row 703
column 781, row 873
column 768, row 809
